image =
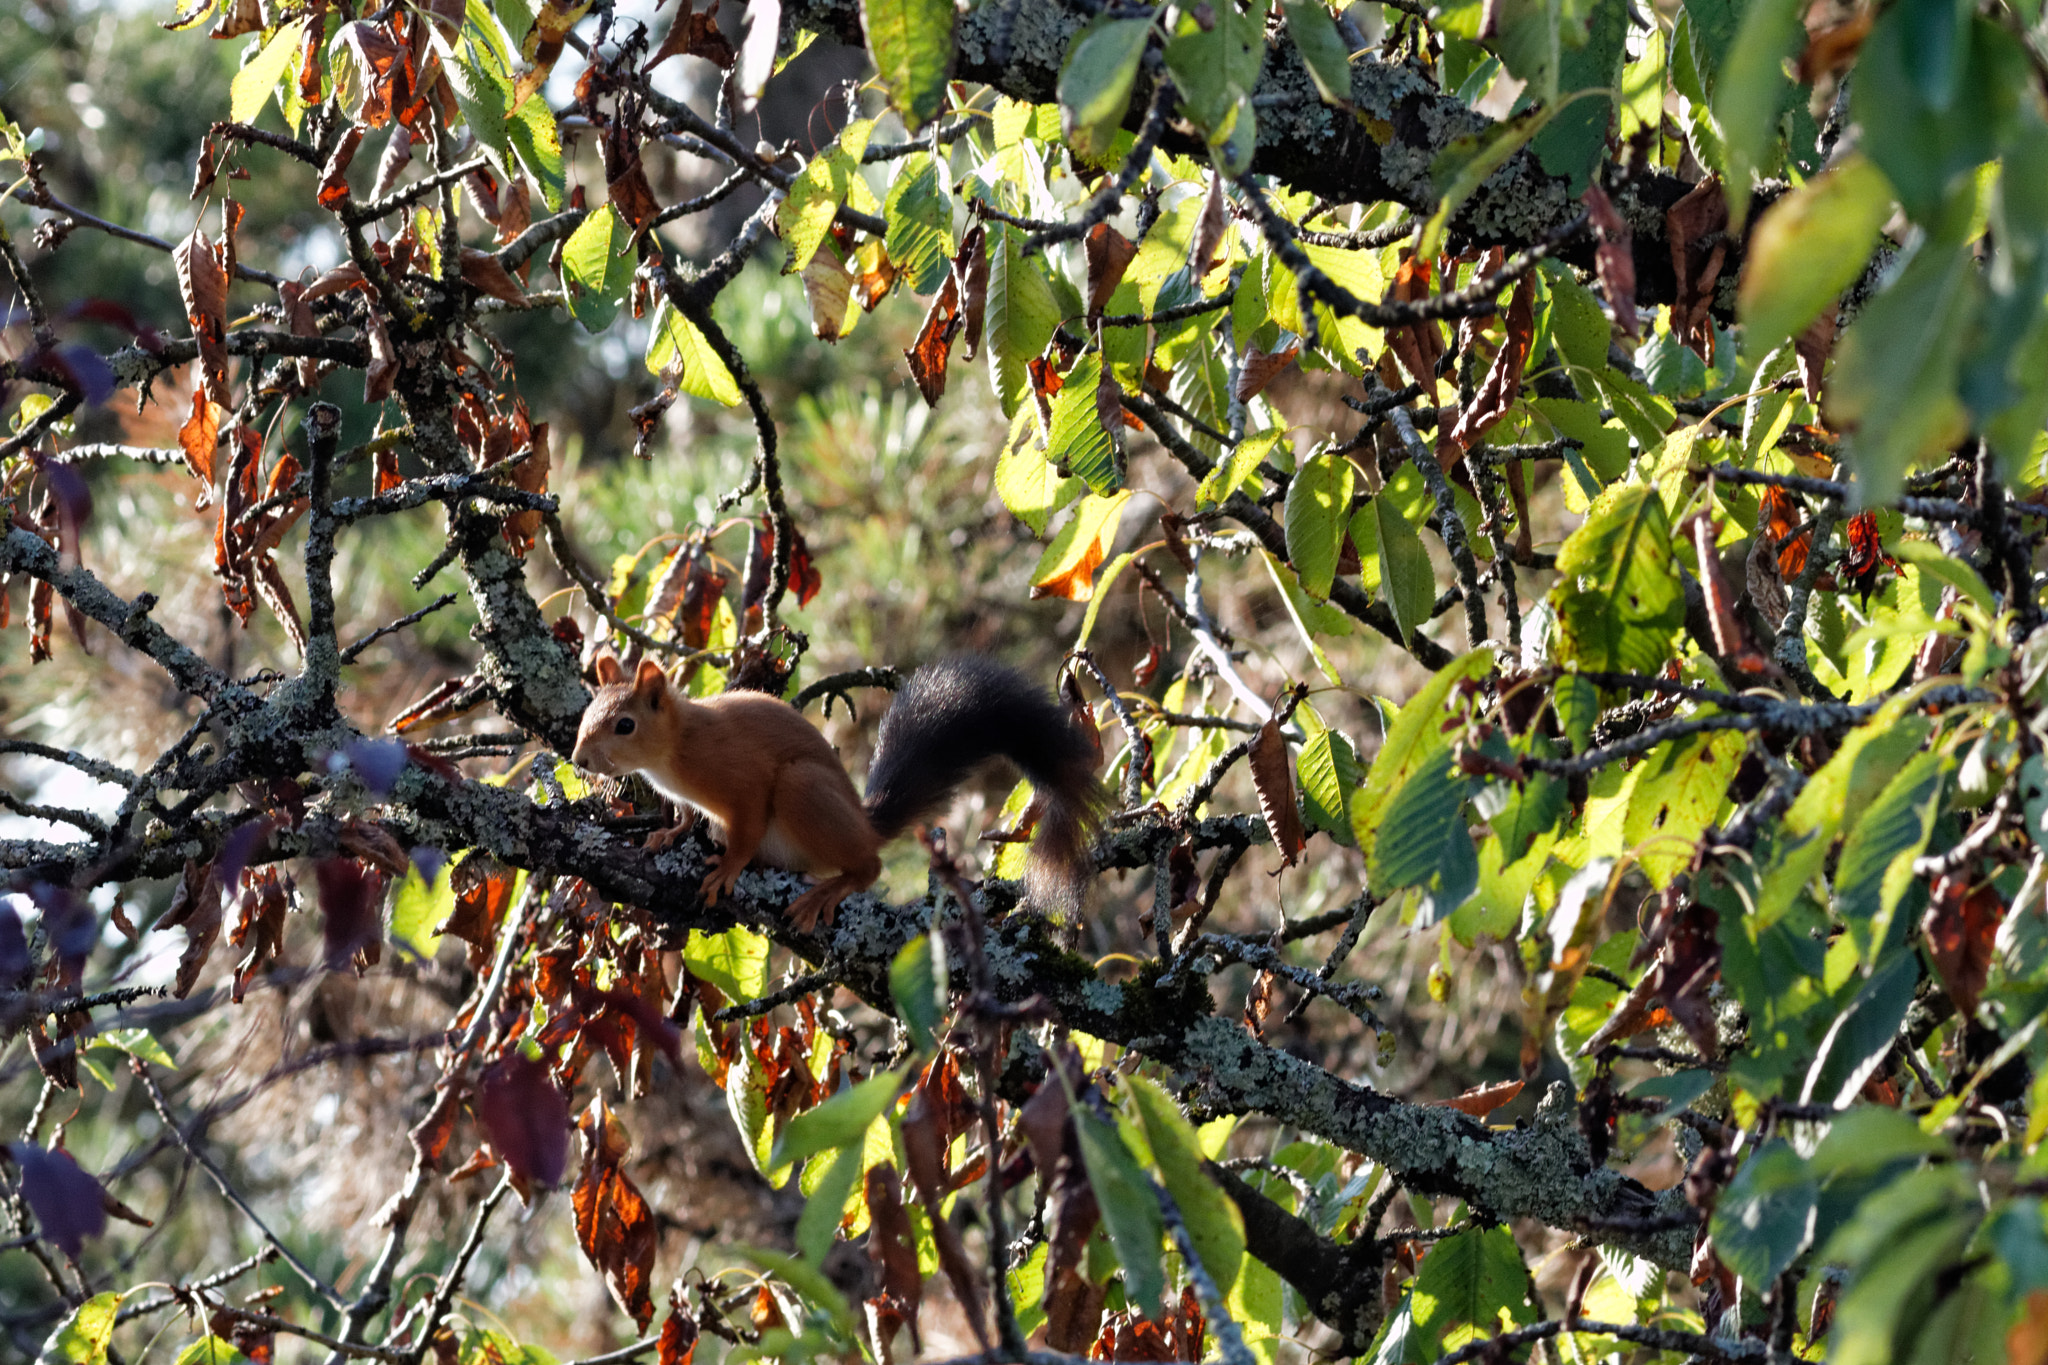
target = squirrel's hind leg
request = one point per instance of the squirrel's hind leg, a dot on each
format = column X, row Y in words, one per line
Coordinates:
column 818, row 811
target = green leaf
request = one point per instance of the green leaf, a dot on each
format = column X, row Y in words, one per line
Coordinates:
column 1574, row 142
column 1807, row 248
column 1213, row 1222
column 82, row 1338
column 1021, row 316
column 1318, row 506
column 211, row 1350
column 1407, row 580
column 826, row 182
column 482, row 96
column 920, row 218
column 1876, row 868
column 1923, row 129
column 1677, row 793
column 1215, row 68
column 1415, row 738
column 735, row 961
column 597, row 267
column 674, row 342
column 825, row 1207
column 482, row 1346
column 251, row 88
column 1528, row 42
column 1322, row 51
column 1095, row 84
column 1577, row 324
column 1577, row 703
column 838, row 1122
column 746, row 1100
column 537, row 141
column 1902, row 1242
column 138, row 1043
column 1422, row 839
column 911, row 42
column 917, row 981
column 1765, row 1217
column 1749, row 95
column 1130, row 1211
column 418, row 910
column 1471, row 1280
column 1078, row 444
column 1328, row 771
column 1870, row 1137
column 1619, row 600
column 1230, row 473
column 1026, row 481
column 1465, row 163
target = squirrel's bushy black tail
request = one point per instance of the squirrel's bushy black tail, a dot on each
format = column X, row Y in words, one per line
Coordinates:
column 953, row 715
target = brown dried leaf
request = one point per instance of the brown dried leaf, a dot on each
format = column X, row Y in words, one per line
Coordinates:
column 678, row 1342
column 397, row 156
column 1701, row 215
column 1210, row 229
column 382, row 374
column 1418, row 346
column 1261, row 368
column 1273, row 778
column 892, row 1246
column 1614, row 258
column 195, row 908
column 694, row 34
column 204, row 286
column 970, row 264
column 1812, row 350
column 1108, row 254
column 924, row 1148
column 487, row 275
column 1503, row 382
column 1731, row 636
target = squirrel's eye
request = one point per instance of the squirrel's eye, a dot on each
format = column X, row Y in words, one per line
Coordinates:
column 624, row 727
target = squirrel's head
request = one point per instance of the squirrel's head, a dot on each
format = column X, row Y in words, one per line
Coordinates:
column 625, row 728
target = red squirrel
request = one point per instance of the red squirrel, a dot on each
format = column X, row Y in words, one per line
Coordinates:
column 768, row 778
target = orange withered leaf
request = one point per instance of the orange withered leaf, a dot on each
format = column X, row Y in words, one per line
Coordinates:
column 1961, row 925
column 204, row 284
column 1866, row 554
column 1482, row 1100
column 198, row 438
column 614, row 1225
column 933, row 347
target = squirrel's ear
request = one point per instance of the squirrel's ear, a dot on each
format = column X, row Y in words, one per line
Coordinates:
column 607, row 670
column 650, row 682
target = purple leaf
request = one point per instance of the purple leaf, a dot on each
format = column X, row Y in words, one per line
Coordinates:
column 86, row 371
column 378, row 762
column 349, row 893
column 14, row 959
column 526, row 1117
column 69, row 1205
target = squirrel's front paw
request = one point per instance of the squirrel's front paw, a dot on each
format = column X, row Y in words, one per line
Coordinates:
column 662, row 838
